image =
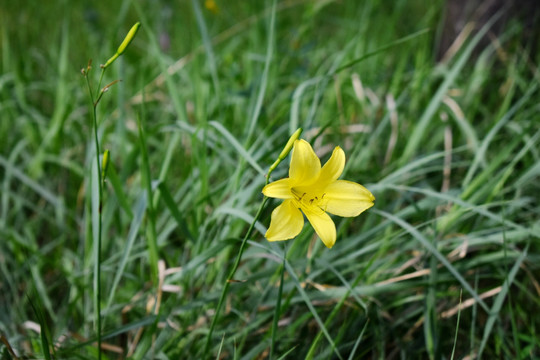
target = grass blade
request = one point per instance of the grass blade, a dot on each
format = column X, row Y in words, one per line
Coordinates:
column 421, row 128
column 239, row 148
column 44, row 333
column 140, row 209
column 264, row 76
column 498, row 303
column 420, row 238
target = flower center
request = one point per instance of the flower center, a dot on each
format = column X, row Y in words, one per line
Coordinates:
column 308, row 198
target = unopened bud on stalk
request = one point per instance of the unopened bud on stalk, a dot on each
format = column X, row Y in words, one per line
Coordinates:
column 87, row 69
column 286, row 150
column 288, row 147
column 127, row 40
column 104, row 165
column 107, row 87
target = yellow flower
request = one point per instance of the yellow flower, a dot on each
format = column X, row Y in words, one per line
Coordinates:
column 315, row 191
column 211, row 6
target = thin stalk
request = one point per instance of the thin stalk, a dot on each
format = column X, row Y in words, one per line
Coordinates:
column 231, row 274
column 98, row 87
column 288, row 147
column 98, row 257
column 457, row 326
column 99, row 176
column 100, row 199
column 97, row 265
column 277, row 310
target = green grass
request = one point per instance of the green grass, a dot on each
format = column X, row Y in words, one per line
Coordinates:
column 206, row 102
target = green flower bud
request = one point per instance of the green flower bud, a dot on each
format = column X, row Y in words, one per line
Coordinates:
column 288, row 147
column 129, row 37
column 286, row 150
column 127, row 40
column 104, row 165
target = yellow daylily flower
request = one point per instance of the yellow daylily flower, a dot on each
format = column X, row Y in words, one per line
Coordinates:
column 211, row 6
column 314, row 190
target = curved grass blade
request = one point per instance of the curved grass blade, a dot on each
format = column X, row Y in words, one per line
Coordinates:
column 498, row 303
column 264, row 78
column 425, row 242
column 44, row 333
column 140, row 209
column 420, row 129
column 239, row 148
column 307, row 301
column 357, row 342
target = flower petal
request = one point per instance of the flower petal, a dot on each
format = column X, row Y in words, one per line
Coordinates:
column 305, row 165
column 287, row 222
column 347, row 198
column 333, row 168
column 278, row 189
column 323, row 225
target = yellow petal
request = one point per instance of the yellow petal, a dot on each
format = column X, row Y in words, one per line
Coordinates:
column 333, row 168
column 287, row 222
column 278, row 189
column 347, row 198
column 305, row 165
column 323, row 225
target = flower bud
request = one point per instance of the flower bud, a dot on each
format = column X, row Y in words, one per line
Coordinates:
column 129, row 37
column 104, row 165
column 288, row 147
column 286, row 150
column 127, row 40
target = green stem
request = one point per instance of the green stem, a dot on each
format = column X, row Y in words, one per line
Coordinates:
column 98, row 258
column 231, row 274
column 277, row 310
column 282, row 155
column 97, row 265
column 99, row 88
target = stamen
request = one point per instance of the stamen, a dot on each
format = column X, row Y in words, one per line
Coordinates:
column 297, row 194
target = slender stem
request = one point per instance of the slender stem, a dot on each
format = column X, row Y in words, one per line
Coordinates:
column 277, row 310
column 288, row 147
column 231, row 275
column 98, row 258
column 100, row 197
column 99, row 176
column 99, row 86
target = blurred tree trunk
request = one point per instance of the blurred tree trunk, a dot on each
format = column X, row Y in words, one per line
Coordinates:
column 459, row 13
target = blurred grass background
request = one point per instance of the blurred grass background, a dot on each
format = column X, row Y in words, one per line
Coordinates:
column 445, row 265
